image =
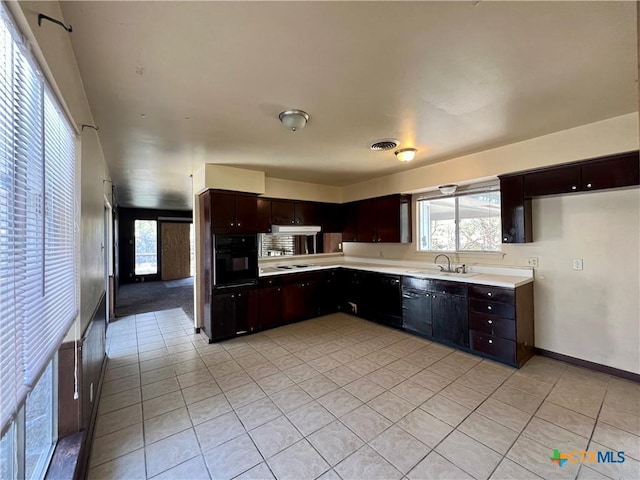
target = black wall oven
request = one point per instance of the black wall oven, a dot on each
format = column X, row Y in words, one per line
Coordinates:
column 235, row 261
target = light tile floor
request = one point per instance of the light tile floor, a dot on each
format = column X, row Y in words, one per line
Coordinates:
column 340, row 397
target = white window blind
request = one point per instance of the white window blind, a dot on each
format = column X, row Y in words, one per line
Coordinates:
column 38, row 300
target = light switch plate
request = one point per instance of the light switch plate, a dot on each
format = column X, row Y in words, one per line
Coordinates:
column 532, row 262
column 577, row 264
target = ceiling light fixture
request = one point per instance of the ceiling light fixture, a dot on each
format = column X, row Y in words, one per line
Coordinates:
column 294, row 119
column 406, row 154
column 448, row 189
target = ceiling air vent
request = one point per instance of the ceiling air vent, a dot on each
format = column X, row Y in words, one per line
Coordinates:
column 384, row 144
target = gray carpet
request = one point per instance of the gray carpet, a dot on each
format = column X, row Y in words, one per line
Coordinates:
column 146, row 297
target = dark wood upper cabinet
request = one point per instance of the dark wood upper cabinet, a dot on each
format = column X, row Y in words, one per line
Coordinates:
column 612, row 172
column 283, row 212
column 246, row 214
column 289, row 212
column 515, row 210
column 383, row 219
column 367, row 221
column 233, row 213
column 394, row 219
column 552, row 181
column 306, row 213
column 223, row 211
column 329, row 217
column 264, row 215
column 350, row 222
column 516, row 190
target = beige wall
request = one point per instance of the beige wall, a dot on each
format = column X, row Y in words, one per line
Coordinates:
column 279, row 188
column 52, row 46
column 618, row 134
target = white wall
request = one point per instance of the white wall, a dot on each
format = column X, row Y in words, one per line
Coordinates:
column 52, row 46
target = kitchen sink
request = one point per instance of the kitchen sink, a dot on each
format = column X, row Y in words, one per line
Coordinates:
column 456, row 274
column 436, row 273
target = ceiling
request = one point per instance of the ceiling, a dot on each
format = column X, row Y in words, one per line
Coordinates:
column 173, row 85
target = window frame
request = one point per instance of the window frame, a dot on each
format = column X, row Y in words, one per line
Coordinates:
column 17, row 434
column 475, row 189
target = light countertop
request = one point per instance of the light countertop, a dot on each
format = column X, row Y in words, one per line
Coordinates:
column 479, row 275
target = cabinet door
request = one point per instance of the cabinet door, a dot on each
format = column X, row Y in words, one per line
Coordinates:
column 515, row 211
column 330, row 295
column 306, row 213
column 552, row 181
column 350, row 222
column 450, row 319
column 621, row 171
column 312, row 289
column 269, row 307
column 293, row 299
column 223, row 217
column 205, row 247
column 330, row 217
column 246, row 312
column 367, row 221
column 282, row 212
column 246, row 209
column 264, row 215
column 223, row 316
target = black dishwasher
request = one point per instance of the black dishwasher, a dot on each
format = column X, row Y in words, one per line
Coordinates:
column 384, row 300
column 416, row 306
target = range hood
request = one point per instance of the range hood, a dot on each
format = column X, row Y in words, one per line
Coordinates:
column 295, row 229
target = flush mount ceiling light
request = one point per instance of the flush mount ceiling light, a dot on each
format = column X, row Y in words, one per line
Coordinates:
column 406, row 154
column 448, row 189
column 294, row 119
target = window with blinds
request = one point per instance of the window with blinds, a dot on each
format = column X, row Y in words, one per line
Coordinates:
column 38, row 286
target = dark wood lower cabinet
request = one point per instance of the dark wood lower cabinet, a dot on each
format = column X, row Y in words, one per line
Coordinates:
column 232, row 314
column 269, row 307
column 494, row 322
column 450, row 319
column 300, row 300
column 501, row 323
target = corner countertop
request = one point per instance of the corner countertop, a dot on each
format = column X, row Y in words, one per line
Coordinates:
column 478, row 275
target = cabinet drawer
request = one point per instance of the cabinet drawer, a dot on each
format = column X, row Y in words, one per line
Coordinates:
column 495, row 294
column 500, row 348
column 492, row 308
column 270, row 281
column 450, row 288
column 492, row 325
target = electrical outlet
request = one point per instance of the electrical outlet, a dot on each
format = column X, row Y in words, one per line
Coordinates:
column 532, row 262
column 577, row 264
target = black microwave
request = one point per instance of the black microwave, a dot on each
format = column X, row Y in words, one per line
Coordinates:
column 235, row 261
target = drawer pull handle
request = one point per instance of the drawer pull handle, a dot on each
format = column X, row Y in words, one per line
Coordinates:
column 489, row 294
column 489, row 307
column 588, row 185
column 490, row 341
column 573, row 187
column 489, row 322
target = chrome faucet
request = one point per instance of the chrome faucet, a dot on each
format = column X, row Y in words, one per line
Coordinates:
column 435, row 260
